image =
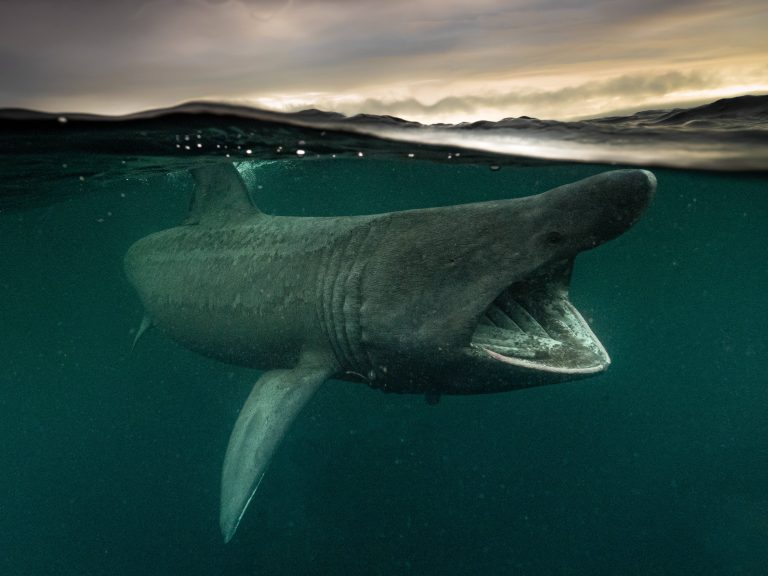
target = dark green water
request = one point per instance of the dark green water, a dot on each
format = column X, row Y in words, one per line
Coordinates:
column 110, row 460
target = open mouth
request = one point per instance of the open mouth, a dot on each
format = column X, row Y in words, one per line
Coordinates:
column 533, row 325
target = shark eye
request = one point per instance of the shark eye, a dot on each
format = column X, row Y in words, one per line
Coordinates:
column 554, row 237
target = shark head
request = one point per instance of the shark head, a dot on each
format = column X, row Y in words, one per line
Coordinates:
column 474, row 298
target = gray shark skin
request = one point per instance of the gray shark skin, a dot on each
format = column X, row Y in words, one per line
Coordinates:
column 465, row 299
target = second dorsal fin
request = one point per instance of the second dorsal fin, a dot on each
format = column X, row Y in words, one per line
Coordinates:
column 220, row 196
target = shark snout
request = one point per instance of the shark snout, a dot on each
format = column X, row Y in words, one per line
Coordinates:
column 604, row 206
column 628, row 194
column 633, row 191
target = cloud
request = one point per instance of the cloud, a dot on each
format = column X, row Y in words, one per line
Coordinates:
column 428, row 56
column 625, row 93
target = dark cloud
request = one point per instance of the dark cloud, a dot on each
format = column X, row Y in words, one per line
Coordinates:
column 56, row 54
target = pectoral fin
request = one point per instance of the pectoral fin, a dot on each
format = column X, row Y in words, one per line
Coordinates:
column 274, row 402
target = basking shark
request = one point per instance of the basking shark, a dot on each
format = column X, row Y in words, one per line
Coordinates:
column 466, row 299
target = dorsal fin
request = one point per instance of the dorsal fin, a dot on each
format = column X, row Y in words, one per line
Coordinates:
column 220, row 197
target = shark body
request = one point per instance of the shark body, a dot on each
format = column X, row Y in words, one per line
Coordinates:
column 457, row 300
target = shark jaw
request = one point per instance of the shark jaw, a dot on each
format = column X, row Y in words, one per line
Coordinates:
column 532, row 325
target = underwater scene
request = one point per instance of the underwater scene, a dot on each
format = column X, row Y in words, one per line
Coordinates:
column 452, row 379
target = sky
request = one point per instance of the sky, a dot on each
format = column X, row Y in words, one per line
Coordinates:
column 425, row 60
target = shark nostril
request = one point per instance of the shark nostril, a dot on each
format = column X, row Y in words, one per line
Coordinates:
column 554, row 238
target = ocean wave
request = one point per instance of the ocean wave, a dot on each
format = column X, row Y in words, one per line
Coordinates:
column 44, row 149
